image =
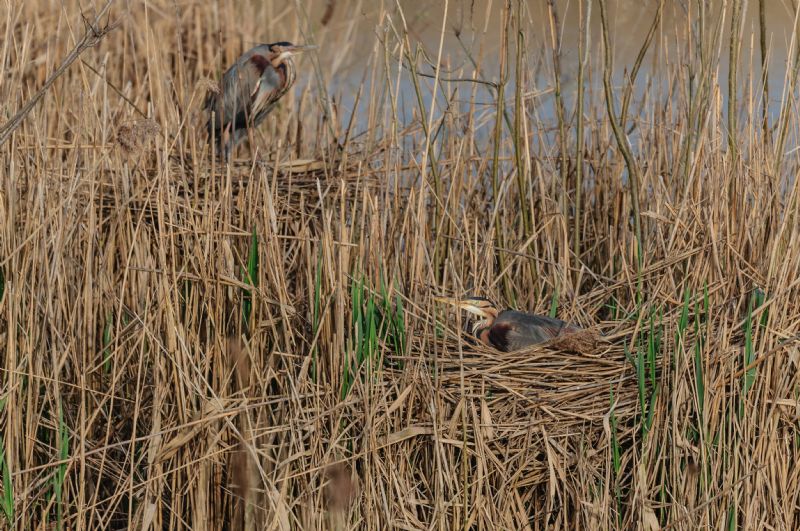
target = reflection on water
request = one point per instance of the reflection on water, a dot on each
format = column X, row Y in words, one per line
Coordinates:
column 358, row 35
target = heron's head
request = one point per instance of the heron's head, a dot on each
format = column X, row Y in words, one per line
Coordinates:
column 284, row 50
column 480, row 306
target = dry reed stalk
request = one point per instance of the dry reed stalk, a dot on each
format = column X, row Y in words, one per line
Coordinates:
column 352, row 401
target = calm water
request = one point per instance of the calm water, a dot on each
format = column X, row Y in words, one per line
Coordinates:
column 352, row 35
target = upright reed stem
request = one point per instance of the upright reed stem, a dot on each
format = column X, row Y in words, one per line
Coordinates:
column 555, row 45
column 762, row 25
column 498, row 139
column 622, row 142
column 733, row 62
column 584, row 11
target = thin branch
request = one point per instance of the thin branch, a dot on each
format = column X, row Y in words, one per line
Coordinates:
column 762, row 24
column 94, row 34
column 455, row 79
column 622, row 142
column 584, row 14
column 116, row 89
column 737, row 23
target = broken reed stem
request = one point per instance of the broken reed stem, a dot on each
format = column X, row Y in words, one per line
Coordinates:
column 91, row 37
column 518, row 137
column 555, row 45
column 438, row 257
column 637, row 64
column 480, row 79
column 519, row 132
column 786, row 108
column 584, row 14
column 700, row 83
column 622, row 143
column 324, row 98
column 762, row 26
column 500, row 241
column 733, row 62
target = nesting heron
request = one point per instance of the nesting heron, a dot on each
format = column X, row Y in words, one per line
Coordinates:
column 509, row 330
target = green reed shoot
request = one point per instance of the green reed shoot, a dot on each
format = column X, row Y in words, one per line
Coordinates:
column 645, row 363
column 7, row 498
column 699, row 380
column 374, row 322
column 61, row 470
column 250, row 278
column 749, row 378
column 616, row 462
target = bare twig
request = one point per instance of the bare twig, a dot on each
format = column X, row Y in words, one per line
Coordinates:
column 584, row 16
column 762, row 24
column 116, row 89
column 737, row 23
column 555, row 49
column 94, row 34
column 622, row 141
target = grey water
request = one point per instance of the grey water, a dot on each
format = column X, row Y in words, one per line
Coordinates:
column 470, row 31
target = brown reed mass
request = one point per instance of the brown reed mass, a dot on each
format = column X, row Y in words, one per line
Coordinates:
column 186, row 344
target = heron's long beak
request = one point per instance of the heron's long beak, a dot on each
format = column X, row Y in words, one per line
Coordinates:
column 464, row 305
column 289, row 51
column 299, row 48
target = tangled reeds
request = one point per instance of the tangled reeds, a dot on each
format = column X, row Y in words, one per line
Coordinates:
column 189, row 344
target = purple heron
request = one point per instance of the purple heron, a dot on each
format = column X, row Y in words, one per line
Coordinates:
column 248, row 92
column 509, row 330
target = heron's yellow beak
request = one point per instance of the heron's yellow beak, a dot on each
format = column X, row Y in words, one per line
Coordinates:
column 464, row 305
column 299, row 48
column 289, row 51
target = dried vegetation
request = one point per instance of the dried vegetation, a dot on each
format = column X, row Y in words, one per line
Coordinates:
column 188, row 345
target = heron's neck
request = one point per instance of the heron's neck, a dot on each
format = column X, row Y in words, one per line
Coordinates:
column 479, row 326
column 286, row 70
column 290, row 72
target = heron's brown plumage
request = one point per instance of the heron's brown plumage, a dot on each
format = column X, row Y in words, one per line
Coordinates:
column 509, row 330
column 513, row 330
column 249, row 90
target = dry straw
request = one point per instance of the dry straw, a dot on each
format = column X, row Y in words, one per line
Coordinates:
column 185, row 344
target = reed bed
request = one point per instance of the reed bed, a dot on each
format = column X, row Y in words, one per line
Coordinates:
column 188, row 344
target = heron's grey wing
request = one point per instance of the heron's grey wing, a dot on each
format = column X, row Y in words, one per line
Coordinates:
column 232, row 104
column 513, row 330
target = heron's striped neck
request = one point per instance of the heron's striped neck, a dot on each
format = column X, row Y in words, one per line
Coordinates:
column 479, row 326
column 287, row 72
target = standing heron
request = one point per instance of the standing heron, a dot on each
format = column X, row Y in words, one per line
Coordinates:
column 248, row 92
column 509, row 330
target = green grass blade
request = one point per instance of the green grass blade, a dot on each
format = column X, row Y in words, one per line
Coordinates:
column 651, row 409
column 749, row 348
column 698, row 376
column 61, row 471
column 400, row 327
column 683, row 322
column 640, row 384
column 554, row 304
column 7, row 500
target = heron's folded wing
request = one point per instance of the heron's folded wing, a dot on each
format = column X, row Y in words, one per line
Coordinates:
column 513, row 330
column 233, row 102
